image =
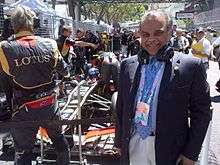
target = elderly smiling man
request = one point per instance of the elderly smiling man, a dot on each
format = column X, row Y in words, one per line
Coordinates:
column 158, row 89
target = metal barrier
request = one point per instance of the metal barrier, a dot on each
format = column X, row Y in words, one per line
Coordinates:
column 49, row 24
column 77, row 25
column 79, row 84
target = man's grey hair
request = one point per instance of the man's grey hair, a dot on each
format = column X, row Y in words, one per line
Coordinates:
column 22, row 18
column 154, row 13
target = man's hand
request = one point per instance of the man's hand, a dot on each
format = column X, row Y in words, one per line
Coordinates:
column 81, row 43
column 116, row 151
column 85, row 44
column 213, row 58
column 185, row 161
column 93, row 45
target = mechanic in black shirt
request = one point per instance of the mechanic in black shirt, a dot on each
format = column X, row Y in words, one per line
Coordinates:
column 29, row 62
column 110, row 68
column 133, row 44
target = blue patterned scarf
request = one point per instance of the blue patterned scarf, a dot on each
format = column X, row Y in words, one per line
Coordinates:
column 149, row 81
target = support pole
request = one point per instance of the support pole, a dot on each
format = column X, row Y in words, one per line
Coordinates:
column 77, row 11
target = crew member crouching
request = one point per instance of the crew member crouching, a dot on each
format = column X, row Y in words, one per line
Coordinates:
column 30, row 63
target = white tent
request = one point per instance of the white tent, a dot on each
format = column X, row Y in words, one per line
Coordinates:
column 36, row 5
column 44, row 13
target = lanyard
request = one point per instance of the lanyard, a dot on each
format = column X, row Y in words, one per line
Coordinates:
column 150, row 82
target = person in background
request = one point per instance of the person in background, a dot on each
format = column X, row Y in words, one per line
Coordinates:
column 174, row 30
column 80, row 59
column 179, row 42
column 116, row 41
column 7, row 29
column 201, row 47
column 101, row 45
column 90, row 51
column 215, row 51
column 29, row 62
column 158, row 89
column 209, row 34
column 62, row 23
column 134, row 44
column 110, row 68
column 124, row 42
column 215, row 54
column 65, row 44
column 106, row 41
column 215, row 36
column 190, row 40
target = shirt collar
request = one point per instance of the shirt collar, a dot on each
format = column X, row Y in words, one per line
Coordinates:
column 152, row 59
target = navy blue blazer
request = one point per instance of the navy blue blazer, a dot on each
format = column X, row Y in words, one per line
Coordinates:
column 183, row 92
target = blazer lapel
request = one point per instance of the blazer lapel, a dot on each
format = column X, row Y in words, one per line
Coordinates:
column 134, row 86
column 167, row 77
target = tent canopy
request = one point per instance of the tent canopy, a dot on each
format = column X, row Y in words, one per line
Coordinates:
column 36, row 5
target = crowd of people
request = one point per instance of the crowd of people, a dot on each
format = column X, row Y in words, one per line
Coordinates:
column 201, row 42
column 161, row 85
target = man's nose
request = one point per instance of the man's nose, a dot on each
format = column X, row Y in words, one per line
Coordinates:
column 151, row 40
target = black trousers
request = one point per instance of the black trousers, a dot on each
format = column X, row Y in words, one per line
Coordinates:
column 24, row 138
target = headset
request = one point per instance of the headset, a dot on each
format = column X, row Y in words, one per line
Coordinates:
column 164, row 54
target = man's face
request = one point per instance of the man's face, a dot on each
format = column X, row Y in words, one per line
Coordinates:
column 80, row 34
column 179, row 33
column 67, row 33
column 200, row 35
column 154, row 34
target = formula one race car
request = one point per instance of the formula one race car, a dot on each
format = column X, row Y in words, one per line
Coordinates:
column 88, row 142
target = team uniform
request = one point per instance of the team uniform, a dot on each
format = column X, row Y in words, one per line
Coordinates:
column 30, row 63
